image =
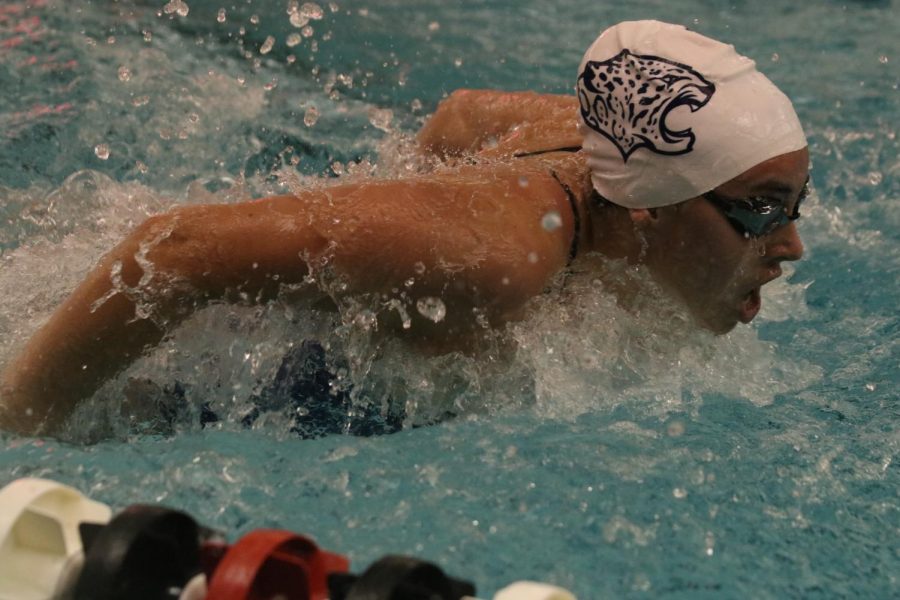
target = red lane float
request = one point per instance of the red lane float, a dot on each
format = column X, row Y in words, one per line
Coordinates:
column 269, row 563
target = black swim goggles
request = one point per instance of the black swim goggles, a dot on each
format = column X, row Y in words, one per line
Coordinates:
column 758, row 215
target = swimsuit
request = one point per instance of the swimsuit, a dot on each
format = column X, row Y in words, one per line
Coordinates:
column 573, row 202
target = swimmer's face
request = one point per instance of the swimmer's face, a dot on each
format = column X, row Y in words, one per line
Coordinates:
column 718, row 272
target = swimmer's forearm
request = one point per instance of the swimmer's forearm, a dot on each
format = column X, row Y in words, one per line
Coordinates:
column 469, row 119
column 165, row 270
column 87, row 339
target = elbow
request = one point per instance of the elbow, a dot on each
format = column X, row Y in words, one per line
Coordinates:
column 164, row 251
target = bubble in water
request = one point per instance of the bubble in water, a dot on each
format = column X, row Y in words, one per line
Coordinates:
column 551, row 221
column 532, row 257
column 381, row 118
column 333, row 7
column 178, row 7
column 675, row 429
column 102, row 151
column 267, row 45
column 870, row 387
column 148, row 36
column 337, row 167
column 124, row 74
column 883, row 59
column 431, row 308
column 775, row 57
column 457, row 62
column 254, row 19
column 220, row 16
column 307, row 31
column 680, row 493
column 311, row 116
column 416, row 105
column 293, row 39
column 434, row 26
column 419, row 268
column 875, row 177
column 298, row 20
column 523, row 181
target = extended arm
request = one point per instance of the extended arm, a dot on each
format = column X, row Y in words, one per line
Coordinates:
column 476, row 232
column 506, row 122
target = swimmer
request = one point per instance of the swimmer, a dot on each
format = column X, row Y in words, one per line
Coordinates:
column 675, row 153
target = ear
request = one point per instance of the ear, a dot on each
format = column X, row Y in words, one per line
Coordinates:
column 642, row 217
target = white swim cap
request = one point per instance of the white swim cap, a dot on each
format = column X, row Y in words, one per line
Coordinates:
column 668, row 114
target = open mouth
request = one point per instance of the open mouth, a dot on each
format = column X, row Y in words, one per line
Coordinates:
column 750, row 305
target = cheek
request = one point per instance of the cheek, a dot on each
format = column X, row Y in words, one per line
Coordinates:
column 703, row 251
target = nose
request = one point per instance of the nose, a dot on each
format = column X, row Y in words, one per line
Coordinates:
column 784, row 243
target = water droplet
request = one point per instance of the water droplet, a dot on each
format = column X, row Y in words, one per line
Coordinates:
column 311, row 116
column 267, row 45
column 431, row 308
column 102, row 151
column 883, row 59
column 710, row 543
column 293, row 39
column 381, row 118
column 775, row 57
column 551, row 221
column 124, row 74
column 434, row 26
column 680, row 493
column 311, row 11
column 220, row 17
column 178, row 7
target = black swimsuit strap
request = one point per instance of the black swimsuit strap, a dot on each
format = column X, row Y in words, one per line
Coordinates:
column 538, row 152
column 573, row 249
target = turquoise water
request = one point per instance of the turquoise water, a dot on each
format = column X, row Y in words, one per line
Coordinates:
column 613, row 456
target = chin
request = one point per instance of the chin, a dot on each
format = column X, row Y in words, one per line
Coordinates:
column 717, row 324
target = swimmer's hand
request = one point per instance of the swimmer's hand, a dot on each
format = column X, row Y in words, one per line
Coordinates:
column 495, row 123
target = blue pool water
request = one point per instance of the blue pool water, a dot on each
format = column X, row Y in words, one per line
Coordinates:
column 615, row 455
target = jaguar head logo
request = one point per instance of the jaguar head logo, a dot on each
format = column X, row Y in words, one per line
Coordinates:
column 628, row 97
